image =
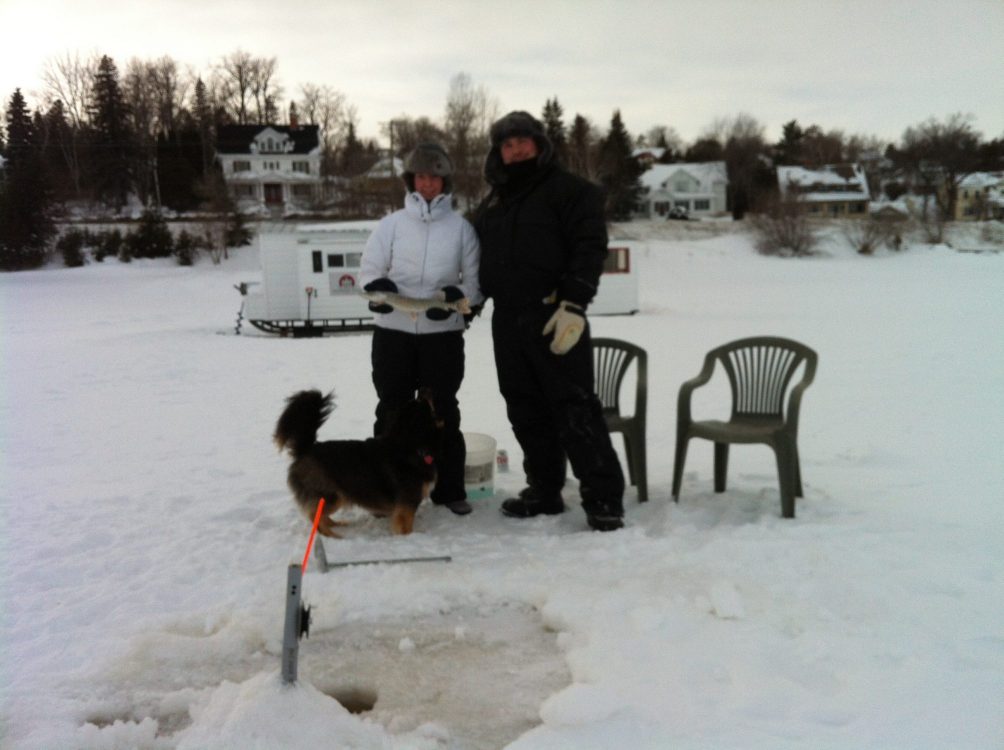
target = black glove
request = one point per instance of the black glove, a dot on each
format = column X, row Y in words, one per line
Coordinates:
column 450, row 294
column 383, row 284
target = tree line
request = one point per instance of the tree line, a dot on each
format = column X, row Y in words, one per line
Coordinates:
column 101, row 136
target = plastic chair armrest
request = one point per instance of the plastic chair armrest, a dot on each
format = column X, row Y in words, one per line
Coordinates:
column 795, row 397
column 688, row 387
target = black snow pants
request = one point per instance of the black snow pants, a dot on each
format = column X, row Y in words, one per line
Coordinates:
column 554, row 411
column 403, row 363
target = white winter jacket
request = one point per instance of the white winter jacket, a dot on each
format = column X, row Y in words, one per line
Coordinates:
column 422, row 248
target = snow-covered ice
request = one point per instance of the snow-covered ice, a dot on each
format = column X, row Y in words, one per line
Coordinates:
column 146, row 529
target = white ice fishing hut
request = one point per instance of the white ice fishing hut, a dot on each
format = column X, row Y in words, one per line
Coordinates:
column 310, row 280
column 618, row 292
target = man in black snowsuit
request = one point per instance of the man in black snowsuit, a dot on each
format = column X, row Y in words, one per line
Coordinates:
column 543, row 242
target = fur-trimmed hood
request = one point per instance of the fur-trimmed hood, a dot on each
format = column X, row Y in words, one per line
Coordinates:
column 517, row 123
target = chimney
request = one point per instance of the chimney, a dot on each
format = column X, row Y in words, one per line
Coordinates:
column 294, row 120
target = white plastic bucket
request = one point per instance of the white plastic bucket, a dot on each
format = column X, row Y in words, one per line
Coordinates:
column 479, row 468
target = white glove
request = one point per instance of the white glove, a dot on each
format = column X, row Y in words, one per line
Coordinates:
column 568, row 322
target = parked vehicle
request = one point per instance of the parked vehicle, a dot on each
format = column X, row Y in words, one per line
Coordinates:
column 678, row 212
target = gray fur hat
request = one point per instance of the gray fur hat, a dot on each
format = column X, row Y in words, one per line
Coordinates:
column 428, row 158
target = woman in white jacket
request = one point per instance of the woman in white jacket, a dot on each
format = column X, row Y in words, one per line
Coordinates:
column 417, row 251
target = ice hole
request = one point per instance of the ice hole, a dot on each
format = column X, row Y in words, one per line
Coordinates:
column 355, row 700
column 480, row 671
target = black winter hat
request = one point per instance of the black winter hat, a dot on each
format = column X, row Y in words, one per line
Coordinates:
column 428, row 158
column 516, row 124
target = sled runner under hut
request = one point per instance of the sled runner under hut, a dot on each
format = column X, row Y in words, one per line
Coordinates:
column 310, row 281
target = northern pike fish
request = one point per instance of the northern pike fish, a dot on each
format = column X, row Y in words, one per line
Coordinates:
column 416, row 305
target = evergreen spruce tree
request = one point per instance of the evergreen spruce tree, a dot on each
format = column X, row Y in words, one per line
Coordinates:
column 788, row 150
column 580, row 147
column 555, row 130
column 203, row 115
column 705, row 150
column 26, row 226
column 113, row 143
column 353, row 154
column 58, row 135
column 619, row 171
column 179, row 161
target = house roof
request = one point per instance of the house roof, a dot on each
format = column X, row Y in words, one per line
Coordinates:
column 980, row 180
column 237, row 139
column 832, row 182
column 385, row 168
column 655, row 152
column 707, row 174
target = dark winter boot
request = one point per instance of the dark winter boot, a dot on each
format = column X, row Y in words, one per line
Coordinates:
column 604, row 522
column 460, row 507
column 604, row 516
column 532, row 503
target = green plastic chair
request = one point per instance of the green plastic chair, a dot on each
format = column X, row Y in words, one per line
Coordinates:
column 612, row 359
column 760, row 370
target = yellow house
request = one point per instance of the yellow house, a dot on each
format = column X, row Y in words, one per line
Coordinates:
column 835, row 190
column 981, row 196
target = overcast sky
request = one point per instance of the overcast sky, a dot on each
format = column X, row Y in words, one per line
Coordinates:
column 862, row 66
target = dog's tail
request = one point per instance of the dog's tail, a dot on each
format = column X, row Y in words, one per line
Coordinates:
column 305, row 412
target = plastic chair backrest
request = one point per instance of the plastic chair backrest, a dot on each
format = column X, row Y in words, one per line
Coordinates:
column 759, row 371
column 611, row 360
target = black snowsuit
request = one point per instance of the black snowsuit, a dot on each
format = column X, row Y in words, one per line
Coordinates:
column 403, row 363
column 542, row 231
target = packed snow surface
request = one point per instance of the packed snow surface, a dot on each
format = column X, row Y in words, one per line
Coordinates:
column 147, row 530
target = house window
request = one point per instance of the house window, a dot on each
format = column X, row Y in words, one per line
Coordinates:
column 681, row 186
column 301, row 166
column 317, row 259
column 682, row 204
column 702, row 205
column 244, row 191
column 303, row 191
column 242, row 166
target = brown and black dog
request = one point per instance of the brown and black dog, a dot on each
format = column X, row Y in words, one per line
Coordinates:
column 387, row 475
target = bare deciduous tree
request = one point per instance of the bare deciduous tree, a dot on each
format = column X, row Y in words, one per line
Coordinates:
column 69, row 79
column 939, row 156
column 470, row 112
column 325, row 107
column 233, row 80
column 265, row 89
column 404, row 133
column 743, row 136
column 662, row 136
column 142, row 118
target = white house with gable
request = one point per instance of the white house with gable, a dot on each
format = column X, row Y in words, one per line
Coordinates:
column 275, row 166
column 699, row 188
